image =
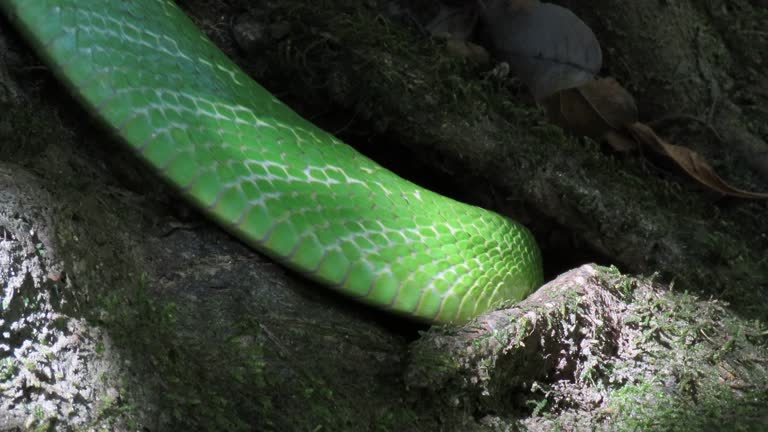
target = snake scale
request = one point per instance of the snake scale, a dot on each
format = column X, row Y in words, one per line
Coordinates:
column 267, row 175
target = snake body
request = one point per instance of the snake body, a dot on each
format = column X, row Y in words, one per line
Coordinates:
column 275, row 180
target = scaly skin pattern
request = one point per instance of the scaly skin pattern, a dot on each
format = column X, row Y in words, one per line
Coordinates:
column 278, row 182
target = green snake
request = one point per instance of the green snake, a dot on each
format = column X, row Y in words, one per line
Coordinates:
column 267, row 175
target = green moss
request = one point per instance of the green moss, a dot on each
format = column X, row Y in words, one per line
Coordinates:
column 697, row 376
column 213, row 386
column 22, row 136
column 8, row 368
column 648, row 406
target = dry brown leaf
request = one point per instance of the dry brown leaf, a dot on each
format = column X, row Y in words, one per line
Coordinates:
column 603, row 109
column 690, row 161
column 560, row 68
column 612, row 102
column 619, row 141
column 569, row 110
column 453, row 22
column 593, row 109
column 467, row 50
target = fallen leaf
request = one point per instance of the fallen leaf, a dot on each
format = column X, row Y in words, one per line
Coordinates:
column 467, row 50
column 620, row 141
column 690, row 161
column 612, row 102
column 453, row 22
column 557, row 56
column 592, row 109
column 547, row 46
